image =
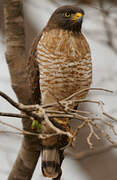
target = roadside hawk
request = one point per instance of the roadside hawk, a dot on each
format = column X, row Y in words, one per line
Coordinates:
column 59, row 65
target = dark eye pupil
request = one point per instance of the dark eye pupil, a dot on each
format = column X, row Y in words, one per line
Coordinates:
column 67, row 14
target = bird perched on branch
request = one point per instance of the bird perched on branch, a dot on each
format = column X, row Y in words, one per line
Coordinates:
column 58, row 66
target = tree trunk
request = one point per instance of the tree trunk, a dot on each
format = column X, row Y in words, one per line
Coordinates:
column 16, row 60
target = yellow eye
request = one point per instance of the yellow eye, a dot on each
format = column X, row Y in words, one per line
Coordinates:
column 67, row 14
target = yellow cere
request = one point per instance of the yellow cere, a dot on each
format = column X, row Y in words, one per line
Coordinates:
column 77, row 16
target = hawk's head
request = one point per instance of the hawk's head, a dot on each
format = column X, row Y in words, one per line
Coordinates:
column 67, row 17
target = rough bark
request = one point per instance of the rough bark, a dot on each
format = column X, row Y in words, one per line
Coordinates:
column 26, row 161
column 16, row 59
column 1, row 16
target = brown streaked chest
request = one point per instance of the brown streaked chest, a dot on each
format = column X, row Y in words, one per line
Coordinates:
column 64, row 62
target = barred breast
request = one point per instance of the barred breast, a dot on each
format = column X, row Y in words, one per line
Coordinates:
column 64, row 63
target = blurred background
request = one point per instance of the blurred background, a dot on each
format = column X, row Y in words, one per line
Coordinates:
column 100, row 29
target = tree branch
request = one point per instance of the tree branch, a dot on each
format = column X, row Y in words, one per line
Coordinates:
column 41, row 113
column 16, row 59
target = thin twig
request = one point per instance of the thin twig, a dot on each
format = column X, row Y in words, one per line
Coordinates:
column 86, row 89
column 106, row 114
column 109, row 116
column 110, row 125
column 55, row 128
column 23, row 132
column 90, row 136
column 41, row 113
column 81, row 112
column 92, row 132
column 9, row 125
column 13, row 115
column 75, row 94
column 13, row 103
column 104, row 133
column 82, row 125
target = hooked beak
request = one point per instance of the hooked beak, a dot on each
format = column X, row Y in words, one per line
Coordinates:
column 77, row 17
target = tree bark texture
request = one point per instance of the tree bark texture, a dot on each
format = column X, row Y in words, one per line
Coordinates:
column 1, row 17
column 15, row 55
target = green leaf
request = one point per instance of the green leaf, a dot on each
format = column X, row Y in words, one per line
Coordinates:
column 36, row 125
column 39, row 127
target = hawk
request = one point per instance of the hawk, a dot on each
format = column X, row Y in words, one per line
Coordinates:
column 59, row 65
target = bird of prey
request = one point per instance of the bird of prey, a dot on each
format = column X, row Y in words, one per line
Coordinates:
column 58, row 66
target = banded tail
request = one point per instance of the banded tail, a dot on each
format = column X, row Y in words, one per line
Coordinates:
column 51, row 162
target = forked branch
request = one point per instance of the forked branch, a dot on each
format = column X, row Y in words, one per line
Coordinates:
column 51, row 117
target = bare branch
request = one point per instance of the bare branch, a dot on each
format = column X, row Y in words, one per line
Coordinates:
column 104, row 134
column 82, row 125
column 86, row 89
column 55, row 128
column 91, row 134
column 109, row 116
column 13, row 103
column 9, row 125
column 76, row 94
column 13, row 115
column 42, row 113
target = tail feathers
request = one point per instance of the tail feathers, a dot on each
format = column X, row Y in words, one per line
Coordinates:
column 50, row 162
